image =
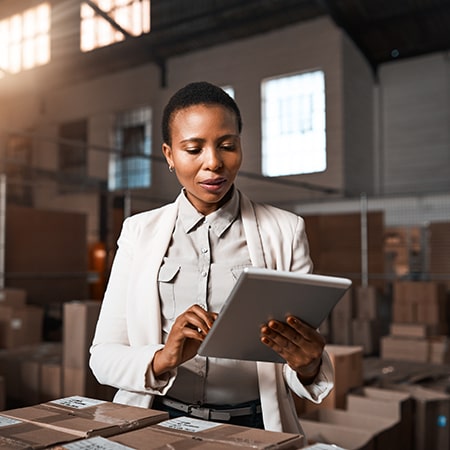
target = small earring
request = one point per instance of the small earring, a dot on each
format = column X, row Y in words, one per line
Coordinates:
column 171, row 169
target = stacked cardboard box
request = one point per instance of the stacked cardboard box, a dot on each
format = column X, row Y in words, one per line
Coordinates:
column 431, row 420
column 188, row 432
column 80, row 422
column 386, row 403
column 83, row 417
column 79, row 322
column 419, row 323
column 423, row 302
column 352, row 430
column 20, row 324
column 20, row 435
column 348, row 369
column 359, row 319
column 341, row 320
column 367, row 326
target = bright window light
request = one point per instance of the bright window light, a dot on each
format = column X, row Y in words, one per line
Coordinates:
column 229, row 90
column 293, row 124
column 25, row 40
column 133, row 16
column 130, row 165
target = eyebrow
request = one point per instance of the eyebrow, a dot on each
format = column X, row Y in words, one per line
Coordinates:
column 197, row 139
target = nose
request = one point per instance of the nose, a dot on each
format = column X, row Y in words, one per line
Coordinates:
column 213, row 159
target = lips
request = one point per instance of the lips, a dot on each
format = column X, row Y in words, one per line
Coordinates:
column 213, row 183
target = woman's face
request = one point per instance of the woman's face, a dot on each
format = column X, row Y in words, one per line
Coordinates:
column 205, row 153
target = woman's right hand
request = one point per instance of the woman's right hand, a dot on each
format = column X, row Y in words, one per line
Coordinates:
column 184, row 339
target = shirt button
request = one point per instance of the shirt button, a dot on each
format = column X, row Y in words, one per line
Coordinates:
column 204, row 250
column 204, row 274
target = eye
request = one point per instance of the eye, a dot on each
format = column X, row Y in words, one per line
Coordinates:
column 193, row 150
column 227, row 146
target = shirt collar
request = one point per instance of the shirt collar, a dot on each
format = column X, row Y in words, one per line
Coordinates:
column 219, row 220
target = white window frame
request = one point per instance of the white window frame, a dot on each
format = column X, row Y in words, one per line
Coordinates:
column 293, row 124
column 133, row 16
column 131, row 169
column 25, row 40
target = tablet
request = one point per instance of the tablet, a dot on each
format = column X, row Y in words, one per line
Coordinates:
column 263, row 294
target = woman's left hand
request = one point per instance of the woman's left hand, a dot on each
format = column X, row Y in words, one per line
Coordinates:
column 298, row 343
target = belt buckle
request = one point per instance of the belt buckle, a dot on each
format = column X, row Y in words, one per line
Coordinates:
column 201, row 413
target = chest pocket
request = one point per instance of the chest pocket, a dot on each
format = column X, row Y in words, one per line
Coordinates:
column 166, row 283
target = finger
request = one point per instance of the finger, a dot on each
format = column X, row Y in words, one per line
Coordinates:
column 198, row 320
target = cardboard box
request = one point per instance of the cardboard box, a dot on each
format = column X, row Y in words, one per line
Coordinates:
column 37, row 374
column 384, row 430
column 50, row 387
column 367, row 333
column 348, row 374
column 385, row 403
column 20, row 326
column 85, row 417
column 147, row 439
column 367, row 302
column 347, row 437
column 16, row 434
column 432, row 418
column 439, row 349
column 80, row 320
column 14, row 297
column 405, row 349
column 341, row 320
column 228, row 435
column 414, row 330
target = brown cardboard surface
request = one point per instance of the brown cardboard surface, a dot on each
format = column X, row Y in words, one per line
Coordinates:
column 87, row 417
column 367, row 332
column 20, row 326
column 15, row 297
column 149, row 438
column 383, row 429
column 386, row 403
column 229, row 434
column 348, row 373
column 367, row 302
column 50, row 386
column 79, row 319
column 16, row 434
column 417, row 330
column 346, row 437
column 405, row 348
column 432, row 418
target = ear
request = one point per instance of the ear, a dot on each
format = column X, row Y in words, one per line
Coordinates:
column 167, row 151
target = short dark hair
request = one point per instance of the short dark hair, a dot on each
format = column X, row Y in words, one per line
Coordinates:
column 197, row 93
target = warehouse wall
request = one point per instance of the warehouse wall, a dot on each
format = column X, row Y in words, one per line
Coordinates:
column 384, row 133
column 244, row 64
column 414, row 128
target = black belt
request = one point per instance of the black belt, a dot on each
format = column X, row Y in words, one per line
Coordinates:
column 210, row 413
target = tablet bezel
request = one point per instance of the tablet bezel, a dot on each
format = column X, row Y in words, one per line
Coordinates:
column 261, row 294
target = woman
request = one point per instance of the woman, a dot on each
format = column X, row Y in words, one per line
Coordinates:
column 173, row 270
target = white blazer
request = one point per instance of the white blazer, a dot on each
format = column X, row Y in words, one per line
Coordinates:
column 128, row 331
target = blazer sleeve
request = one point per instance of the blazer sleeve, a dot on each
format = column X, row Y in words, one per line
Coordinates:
column 114, row 360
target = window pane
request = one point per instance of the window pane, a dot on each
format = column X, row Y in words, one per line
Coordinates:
column 130, row 165
column 25, row 39
column 131, row 15
column 293, row 124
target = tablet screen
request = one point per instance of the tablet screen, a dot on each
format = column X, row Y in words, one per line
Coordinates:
column 263, row 294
